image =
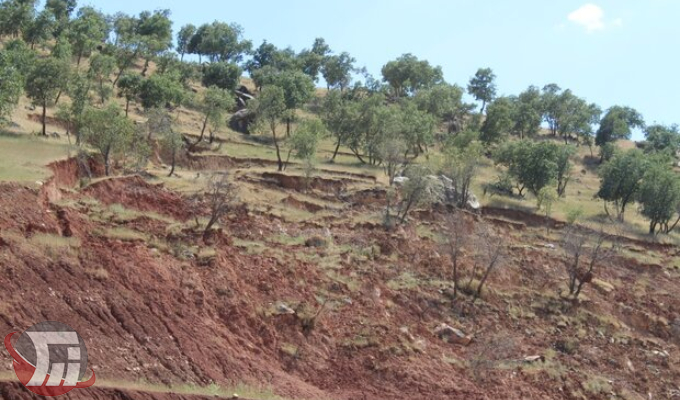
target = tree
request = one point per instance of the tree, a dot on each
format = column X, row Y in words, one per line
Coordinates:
column 373, row 123
column 575, row 115
column 550, row 101
column 338, row 113
column 444, row 102
column 216, row 102
column 337, row 71
column 40, row 29
column 563, row 155
column 526, row 113
column 160, row 91
column 62, row 49
column 415, row 191
column 457, row 239
column 268, row 55
column 184, row 36
column 44, row 83
column 154, row 32
column 499, row 120
column 61, row 9
column 313, row 60
column 129, row 87
column 416, row 127
column 11, row 86
column 489, row 255
column 160, row 122
column 617, row 124
column 585, row 250
column 532, row 165
column 304, row 142
column 16, row 16
column 663, row 139
column 298, row 89
column 101, row 68
column 87, row 31
column 620, row 180
column 391, row 152
column 79, row 92
column 219, row 42
column 221, row 196
column 406, row 75
column 482, row 86
column 20, row 56
column 221, row 74
column 269, row 108
column 108, row 131
column 461, row 164
column 659, row 196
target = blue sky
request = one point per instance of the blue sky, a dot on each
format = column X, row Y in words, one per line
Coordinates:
column 609, row 51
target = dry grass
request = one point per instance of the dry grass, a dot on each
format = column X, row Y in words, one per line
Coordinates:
column 23, row 157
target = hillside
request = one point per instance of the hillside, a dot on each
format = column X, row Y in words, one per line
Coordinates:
column 228, row 229
column 157, row 304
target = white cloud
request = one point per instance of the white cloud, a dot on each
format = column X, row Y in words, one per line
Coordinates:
column 589, row 16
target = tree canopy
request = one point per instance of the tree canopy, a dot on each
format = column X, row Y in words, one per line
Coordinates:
column 407, row 74
column 482, row 86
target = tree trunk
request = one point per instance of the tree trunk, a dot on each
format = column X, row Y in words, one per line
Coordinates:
column 278, row 151
column 670, row 229
column 80, row 56
column 127, row 106
column 205, row 123
column 455, row 275
column 335, row 153
column 44, row 118
column 56, row 100
column 146, row 67
column 288, row 122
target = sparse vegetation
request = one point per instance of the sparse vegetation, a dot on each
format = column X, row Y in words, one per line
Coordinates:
column 170, row 247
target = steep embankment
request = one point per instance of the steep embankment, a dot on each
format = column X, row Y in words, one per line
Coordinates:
column 123, row 263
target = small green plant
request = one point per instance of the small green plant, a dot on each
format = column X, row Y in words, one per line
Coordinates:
column 574, row 214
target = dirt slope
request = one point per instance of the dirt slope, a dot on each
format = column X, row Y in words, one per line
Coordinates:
column 154, row 302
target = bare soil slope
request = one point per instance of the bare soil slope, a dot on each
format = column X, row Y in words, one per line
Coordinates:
column 122, row 262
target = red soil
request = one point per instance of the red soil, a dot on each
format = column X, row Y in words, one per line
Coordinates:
column 147, row 314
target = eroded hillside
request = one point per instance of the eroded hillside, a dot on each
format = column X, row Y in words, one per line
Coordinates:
column 351, row 314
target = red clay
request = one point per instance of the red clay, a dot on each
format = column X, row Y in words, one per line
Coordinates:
column 160, row 313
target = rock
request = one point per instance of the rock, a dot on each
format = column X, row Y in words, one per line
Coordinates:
column 443, row 191
column 602, row 286
column 241, row 120
column 283, row 309
column 533, row 359
column 452, row 335
column 400, row 180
